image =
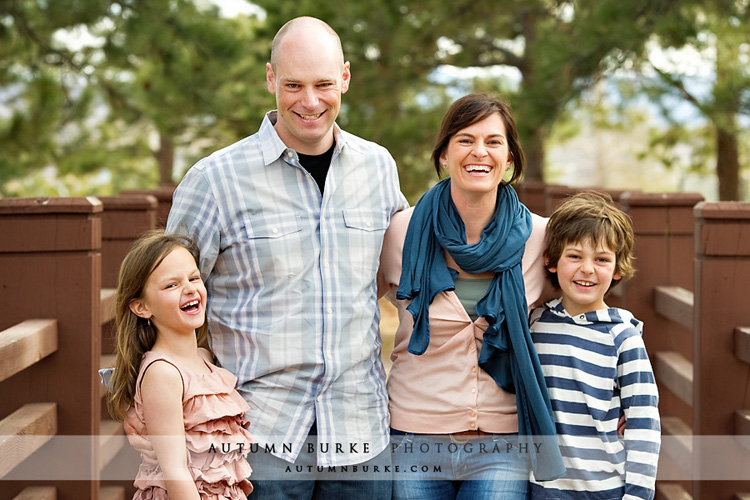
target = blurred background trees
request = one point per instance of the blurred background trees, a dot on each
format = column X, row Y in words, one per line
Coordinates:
column 100, row 96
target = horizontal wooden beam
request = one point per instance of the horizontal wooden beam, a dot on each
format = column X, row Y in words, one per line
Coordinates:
column 674, row 372
column 17, row 429
column 107, row 296
column 674, row 303
column 111, row 493
column 742, row 422
column 671, row 491
column 111, row 441
column 742, row 343
column 26, row 343
column 677, row 444
column 37, row 493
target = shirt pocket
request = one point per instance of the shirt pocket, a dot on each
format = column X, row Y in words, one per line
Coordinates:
column 275, row 243
column 365, row 229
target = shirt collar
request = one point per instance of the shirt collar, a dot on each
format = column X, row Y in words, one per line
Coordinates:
column 273, row 148
column 556, row 307
column 610, row 315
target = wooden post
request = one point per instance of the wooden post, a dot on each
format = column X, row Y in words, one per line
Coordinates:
column 532, row 194
column 722, row 288
column 163, row 194
column 663, row 225
column 125, row 218
column 50, row 268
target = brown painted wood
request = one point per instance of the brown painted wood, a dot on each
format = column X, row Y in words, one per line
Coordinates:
column 112, row 440
column 726, row 229
column 742, row 344
column 26, row 206
column 16, row 445
column 742, row 422
column 52, row 233
column 112, row 493
column 124, row 219
column 163, row 194
column 52, row 269
column 107, row 297
column 722, row 269
column 675, row 303
column 663, row 258
column 675, row 373
column 669, row 491
column 37, row 493
column 24, row 344
column 531, row 194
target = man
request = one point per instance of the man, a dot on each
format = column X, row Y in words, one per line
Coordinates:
column 290, row 222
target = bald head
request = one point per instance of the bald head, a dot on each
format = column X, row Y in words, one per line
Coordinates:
column 312, row 31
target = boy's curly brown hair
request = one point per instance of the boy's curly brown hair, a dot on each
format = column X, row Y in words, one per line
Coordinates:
column 590, row 215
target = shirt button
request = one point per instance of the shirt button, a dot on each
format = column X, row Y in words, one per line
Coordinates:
column 472, row 414
column 325, row 265
column 473, row 369
column 473, row 348
column 473, row 390
column 290, row 154
column 472, row 425
column 368, row 223
column 275, row 230
column 328, row 357
column 320, row 398
column 329, row 310
column 582, row 316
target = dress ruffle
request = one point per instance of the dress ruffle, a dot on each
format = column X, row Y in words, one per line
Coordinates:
column 216, row 437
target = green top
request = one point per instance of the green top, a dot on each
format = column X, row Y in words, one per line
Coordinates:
column 470, row 291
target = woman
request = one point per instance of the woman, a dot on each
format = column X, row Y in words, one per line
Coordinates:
column 463, row 348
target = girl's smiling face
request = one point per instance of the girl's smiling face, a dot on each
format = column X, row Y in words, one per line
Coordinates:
column 174, row 298
column 585, row 272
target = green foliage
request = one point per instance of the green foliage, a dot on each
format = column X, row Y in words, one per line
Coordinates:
column 719, row 31
column 154, row 72
column 148, row 76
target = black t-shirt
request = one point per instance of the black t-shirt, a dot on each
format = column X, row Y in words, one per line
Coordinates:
column 318, row 165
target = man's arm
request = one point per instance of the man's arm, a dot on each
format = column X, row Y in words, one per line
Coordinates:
column 195, row 214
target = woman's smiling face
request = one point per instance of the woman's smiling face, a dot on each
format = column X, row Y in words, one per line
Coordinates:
column 477, row 157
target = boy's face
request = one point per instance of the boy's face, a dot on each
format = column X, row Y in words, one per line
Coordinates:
column 585, row 272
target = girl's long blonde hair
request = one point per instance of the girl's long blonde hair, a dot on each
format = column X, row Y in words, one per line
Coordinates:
column 136, row 335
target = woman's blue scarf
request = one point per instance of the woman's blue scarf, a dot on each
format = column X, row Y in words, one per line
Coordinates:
column 507, row 353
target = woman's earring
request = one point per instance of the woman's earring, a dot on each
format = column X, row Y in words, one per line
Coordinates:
column 148, row 320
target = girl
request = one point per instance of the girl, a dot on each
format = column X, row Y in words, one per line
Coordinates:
column 180, row 411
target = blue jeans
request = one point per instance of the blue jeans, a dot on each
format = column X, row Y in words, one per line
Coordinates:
column 304, row 480
column 442, row 467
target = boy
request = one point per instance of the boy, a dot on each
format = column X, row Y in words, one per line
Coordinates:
column 593, row 358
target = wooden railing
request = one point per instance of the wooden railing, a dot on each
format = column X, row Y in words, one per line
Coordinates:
column 59, row 260
column 58, row 269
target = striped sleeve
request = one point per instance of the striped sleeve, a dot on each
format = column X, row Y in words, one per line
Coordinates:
column 639, row 400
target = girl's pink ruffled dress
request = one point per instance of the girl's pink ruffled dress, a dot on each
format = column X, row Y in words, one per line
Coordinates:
column 216, row 437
